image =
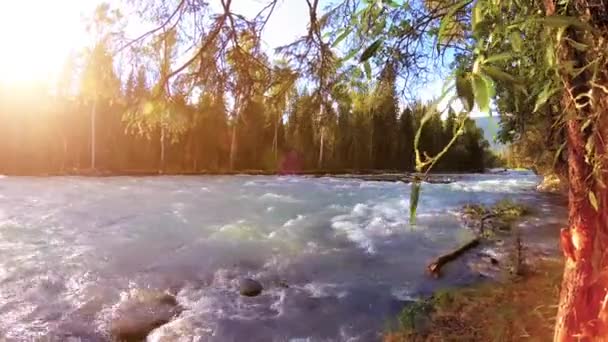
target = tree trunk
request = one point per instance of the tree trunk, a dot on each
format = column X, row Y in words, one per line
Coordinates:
column 162, row 147
column 93, row 118
column 233, row 147
column 582, row 309
column 65, row 153
column 275, row 141
column 582, row 312
column 321, row 149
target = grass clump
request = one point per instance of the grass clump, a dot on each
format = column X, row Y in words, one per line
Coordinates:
column 490, row 220
column 510, row 210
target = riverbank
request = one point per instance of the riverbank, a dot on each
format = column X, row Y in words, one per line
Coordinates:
column 511, row 310
column 518, row 298
column 365, row 175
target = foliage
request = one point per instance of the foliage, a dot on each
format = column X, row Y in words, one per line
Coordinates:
column 277, row 129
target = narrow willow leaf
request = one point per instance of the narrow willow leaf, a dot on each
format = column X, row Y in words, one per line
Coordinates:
column 446, row 22
column 341, row 37
column 544, row 96
column 476, row 16
column 482, row 95
column 368, row 70
column 464, row 90
column 414, row 197
column 550, row 55
column 562, row 21
column 350, row 55
column 558, row 153
column 499, row 75
column 516, row 41
column 592, row 200
column 499, row 57
column 489, row 85
column 370, row 51
column 577, row 45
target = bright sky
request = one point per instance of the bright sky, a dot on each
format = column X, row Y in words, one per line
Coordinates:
column 36, row 36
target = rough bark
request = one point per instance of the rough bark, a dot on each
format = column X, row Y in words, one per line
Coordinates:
column 582, row 308
column 582, row 312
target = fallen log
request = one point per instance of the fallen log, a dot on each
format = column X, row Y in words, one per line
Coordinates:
column 434, row 268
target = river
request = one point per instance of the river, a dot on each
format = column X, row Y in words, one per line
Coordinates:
column 337, row 257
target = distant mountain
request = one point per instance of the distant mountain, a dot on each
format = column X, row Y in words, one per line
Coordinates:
column 490, row 127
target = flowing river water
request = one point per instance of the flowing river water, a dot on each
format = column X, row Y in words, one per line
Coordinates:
column 337, row 257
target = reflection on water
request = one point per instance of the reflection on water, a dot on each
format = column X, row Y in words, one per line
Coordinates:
column 337, row 257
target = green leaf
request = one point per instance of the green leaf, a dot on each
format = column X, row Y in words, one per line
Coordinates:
column 446, row 22
column 368, row 70
column 592, row 200
column 558, row 153
column 516, row 41
column 464, row 90
column 550, row 55
column 544, row 96
column 341, row 37
column 578, row 46
column 350, row 55
column 499, row 57
column 562, row 21
column 370, row 51
column 482, row 93
column 414, row 197
column 476, row 16
column 489, row 85
column 499, row 75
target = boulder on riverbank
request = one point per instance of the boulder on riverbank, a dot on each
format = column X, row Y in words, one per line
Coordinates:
column 141, row 312
column 250, row 288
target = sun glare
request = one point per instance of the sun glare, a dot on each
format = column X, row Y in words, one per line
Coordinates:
column 36, row 37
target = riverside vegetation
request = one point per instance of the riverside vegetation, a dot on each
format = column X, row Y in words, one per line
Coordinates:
column 503, row 309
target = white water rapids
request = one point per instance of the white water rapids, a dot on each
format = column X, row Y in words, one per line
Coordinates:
column 70, row 247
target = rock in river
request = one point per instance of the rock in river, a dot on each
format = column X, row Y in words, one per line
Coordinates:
column 143, row 311
column 250, row 288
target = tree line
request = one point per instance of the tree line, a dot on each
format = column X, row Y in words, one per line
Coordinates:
column 130, row 126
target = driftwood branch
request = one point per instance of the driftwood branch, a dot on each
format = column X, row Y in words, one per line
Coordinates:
column 434, row 268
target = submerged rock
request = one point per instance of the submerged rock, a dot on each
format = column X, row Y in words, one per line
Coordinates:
column 179, row 330
column 250, row 288
column 140, row 313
